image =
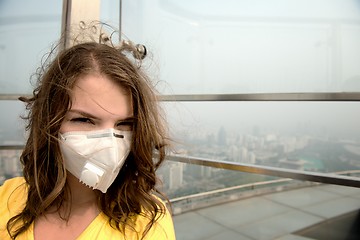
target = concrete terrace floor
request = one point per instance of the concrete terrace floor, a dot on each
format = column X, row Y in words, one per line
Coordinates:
column 273, row 216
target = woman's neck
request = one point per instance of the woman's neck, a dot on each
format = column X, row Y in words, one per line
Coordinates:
column 80, row 194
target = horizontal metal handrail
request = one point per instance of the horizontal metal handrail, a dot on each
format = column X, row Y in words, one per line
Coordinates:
column 301, row 96
column 252, row 185
column 328, row 178
column 315, row 96
column 11, row 147
column 227, row 189
column 12, row 97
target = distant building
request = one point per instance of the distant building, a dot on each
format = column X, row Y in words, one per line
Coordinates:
column 252, row 158
column 206, row 172
column 234, row 154
column 222, row 137
column 244, row 155
column 296, row 164
column 176, row 175
column 10, row 165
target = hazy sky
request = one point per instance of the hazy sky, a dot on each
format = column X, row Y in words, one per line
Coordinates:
column 253, row 46
column 213, row 46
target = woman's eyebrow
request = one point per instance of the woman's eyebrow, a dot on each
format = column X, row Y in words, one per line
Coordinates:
column 82, row 113
column 128, row 119
column 89, row 115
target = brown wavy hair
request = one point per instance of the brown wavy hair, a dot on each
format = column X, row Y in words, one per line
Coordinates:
column 133, row 190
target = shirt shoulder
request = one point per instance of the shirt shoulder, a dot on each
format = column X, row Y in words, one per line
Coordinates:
column 13, row 195
column 163, row 228
column 10, row 185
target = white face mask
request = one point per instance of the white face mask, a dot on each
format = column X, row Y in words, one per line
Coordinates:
column 95, row 157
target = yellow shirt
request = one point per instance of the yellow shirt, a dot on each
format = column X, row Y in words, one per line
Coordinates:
column 13, row 195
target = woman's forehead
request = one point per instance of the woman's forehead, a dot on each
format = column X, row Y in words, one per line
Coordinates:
column 100, row 94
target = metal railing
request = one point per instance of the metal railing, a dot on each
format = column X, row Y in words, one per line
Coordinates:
column 337, row 178
column 329, row 178
column 311, row 96
column 228, row 189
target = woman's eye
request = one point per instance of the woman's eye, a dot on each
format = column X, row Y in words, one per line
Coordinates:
column 125, row 126
column 81, row 120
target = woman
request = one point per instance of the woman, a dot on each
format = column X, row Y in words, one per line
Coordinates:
column 89, row 166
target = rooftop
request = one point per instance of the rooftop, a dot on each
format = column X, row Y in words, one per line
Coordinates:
column 278, row 216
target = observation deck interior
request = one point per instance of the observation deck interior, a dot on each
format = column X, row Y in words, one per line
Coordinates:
column 262, row 99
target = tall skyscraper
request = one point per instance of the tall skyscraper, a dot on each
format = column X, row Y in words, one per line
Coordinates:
column 176, row 175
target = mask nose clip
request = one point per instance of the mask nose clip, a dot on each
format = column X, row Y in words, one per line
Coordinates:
column 118, row 135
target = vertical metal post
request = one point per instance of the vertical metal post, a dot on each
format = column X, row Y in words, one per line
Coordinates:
column 66, row 12
column 76, row 18
column 120, row 21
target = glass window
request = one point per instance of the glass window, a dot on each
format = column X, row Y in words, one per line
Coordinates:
column 27, row 33
column 309, row 136
column 110, row 13
column 12, row 126
column 210, row 47
column 249, row 46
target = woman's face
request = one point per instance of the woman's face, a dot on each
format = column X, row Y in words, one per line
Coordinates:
column 98, row 103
